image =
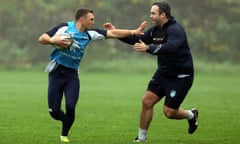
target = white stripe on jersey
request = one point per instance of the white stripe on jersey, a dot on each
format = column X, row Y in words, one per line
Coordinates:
column 95, row 35
column 61, row 30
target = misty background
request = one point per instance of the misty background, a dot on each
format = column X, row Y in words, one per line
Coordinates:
column 212, row 28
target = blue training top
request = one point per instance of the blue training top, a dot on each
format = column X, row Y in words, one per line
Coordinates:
column 71, row 57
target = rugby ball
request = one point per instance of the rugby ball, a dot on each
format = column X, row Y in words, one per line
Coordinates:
column 63, row 35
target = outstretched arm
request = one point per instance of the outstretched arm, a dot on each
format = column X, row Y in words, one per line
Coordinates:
column 121, row 33
column 133, row 38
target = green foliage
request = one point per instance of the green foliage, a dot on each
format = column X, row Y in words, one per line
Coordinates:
column 211, row 25
column 13, row 55
column 212, row 28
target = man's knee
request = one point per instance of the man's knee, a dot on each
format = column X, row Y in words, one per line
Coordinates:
column 55, row 114
column 149, row 100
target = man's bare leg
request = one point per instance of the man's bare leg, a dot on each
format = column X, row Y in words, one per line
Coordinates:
column 148, row 102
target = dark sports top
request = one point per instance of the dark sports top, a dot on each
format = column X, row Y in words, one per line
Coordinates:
column 170, row 45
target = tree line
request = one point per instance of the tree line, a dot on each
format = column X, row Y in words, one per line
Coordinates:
column 212, row 26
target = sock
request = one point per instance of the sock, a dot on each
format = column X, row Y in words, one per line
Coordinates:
column 190, row 115
column 142, row 134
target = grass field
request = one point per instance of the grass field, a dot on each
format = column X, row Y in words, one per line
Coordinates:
column 108, row 110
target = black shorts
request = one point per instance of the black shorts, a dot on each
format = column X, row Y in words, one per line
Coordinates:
column 175, row 89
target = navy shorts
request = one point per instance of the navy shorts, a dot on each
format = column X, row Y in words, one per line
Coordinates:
column 63, row 81
column 175, row 89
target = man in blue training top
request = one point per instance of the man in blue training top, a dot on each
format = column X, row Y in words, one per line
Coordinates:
column 174, row 75
column 65, row 61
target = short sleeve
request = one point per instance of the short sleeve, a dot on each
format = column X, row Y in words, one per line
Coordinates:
column 55, row 29
column 97, row 34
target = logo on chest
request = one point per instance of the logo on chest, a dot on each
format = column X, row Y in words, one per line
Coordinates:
column 158, row 39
